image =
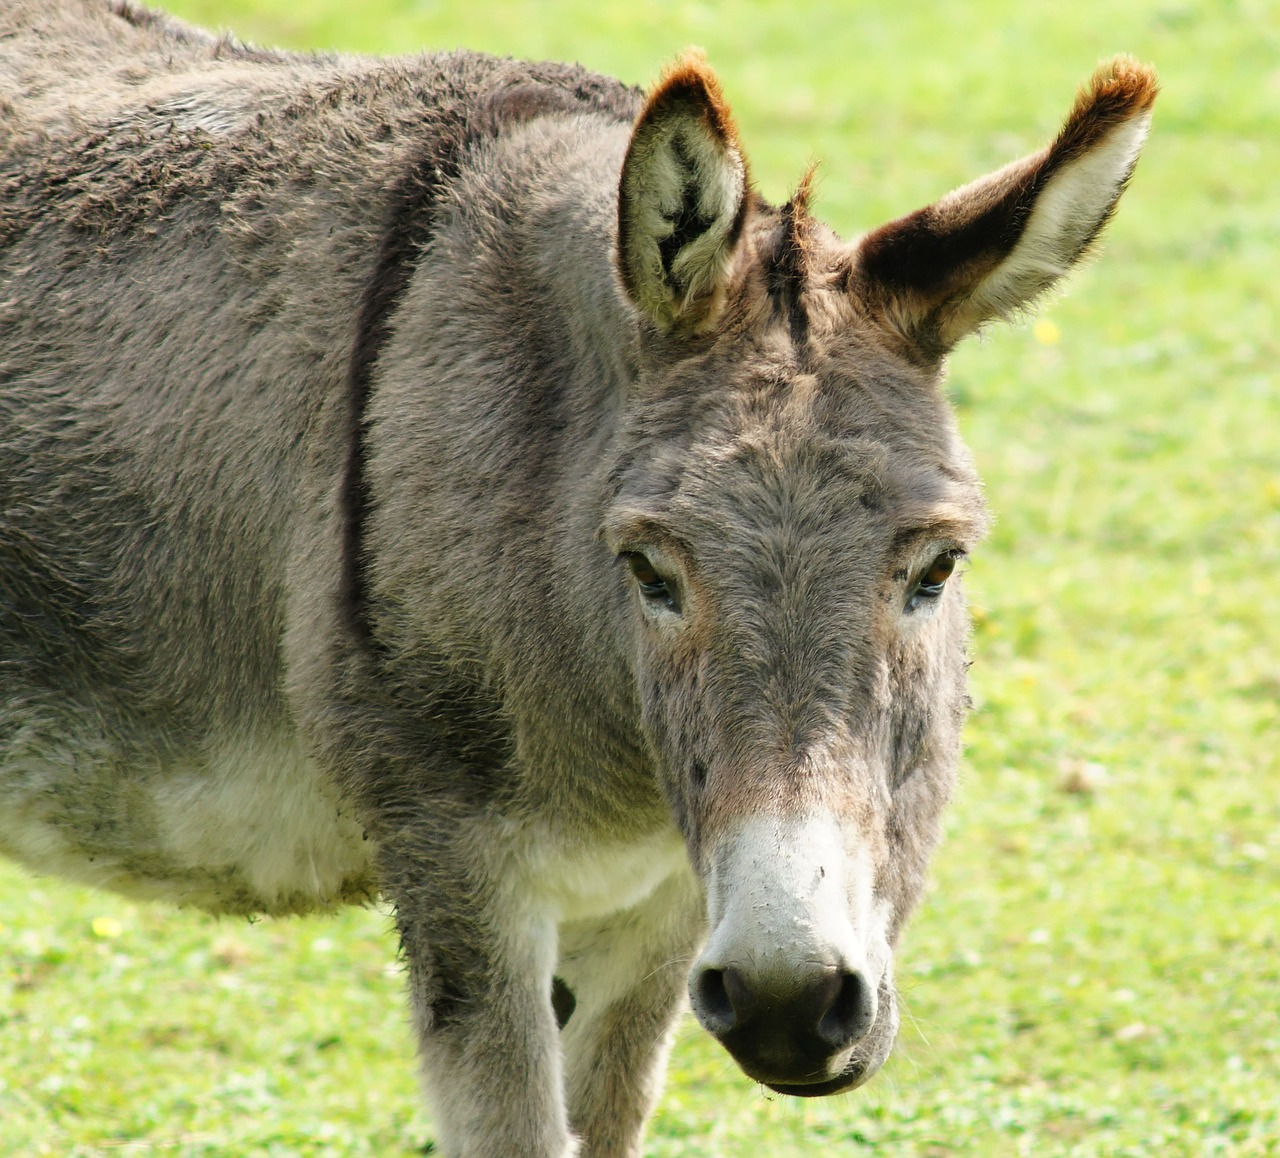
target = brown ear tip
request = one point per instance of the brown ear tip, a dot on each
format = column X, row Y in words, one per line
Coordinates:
column 688, row 69
column 690, row 78
column 1126, row 80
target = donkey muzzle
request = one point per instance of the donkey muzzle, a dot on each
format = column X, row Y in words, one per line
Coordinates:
column 794, row 980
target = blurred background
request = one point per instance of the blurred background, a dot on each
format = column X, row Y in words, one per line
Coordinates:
column 1096, row 969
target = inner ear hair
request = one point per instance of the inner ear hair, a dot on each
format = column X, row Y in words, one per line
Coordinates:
column 682, row 199
column 992, row 247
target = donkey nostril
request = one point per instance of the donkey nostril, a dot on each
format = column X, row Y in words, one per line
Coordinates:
column 711, row 1001
column 742, row 997
column 850, row 1014
column 722, row 1000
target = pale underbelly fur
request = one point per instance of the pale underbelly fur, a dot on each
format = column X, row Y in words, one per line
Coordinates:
column 248, row 826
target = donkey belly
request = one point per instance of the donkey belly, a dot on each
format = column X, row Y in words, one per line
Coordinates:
column 249, row 825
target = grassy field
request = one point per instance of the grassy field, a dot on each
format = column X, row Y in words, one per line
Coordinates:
column 1097, row 968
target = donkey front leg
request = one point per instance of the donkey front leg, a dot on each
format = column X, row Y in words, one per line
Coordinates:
column 480, row 976
column 628, row 974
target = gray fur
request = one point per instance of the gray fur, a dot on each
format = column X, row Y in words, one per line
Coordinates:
column 328, row 429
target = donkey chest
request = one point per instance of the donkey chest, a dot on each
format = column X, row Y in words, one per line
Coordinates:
column 589, row 879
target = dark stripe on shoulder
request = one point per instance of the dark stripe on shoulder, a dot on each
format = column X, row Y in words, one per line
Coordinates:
column 409, row 220
column 407, row 227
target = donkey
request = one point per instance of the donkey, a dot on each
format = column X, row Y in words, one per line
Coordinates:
column 446, row 479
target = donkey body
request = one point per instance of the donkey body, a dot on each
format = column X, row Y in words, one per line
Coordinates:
column 444, row 478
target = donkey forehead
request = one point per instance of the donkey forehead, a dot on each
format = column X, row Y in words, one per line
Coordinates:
column 779, row 456
column 839, row 491
column 742, row 531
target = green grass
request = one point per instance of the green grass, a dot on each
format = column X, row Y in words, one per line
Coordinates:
column 1094, row 972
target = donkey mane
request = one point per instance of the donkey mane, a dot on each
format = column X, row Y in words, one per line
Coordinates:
column 787, row 263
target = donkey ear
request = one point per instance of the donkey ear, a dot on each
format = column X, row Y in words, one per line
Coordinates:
column 992, row 247
column 682, row 199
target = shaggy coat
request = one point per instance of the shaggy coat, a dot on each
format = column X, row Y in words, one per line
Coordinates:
column 446, row 479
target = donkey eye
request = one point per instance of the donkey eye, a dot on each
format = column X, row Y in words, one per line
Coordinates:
column 929, row 586
column 652, row 586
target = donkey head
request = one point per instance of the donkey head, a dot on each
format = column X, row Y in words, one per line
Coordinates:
column 789, row 511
